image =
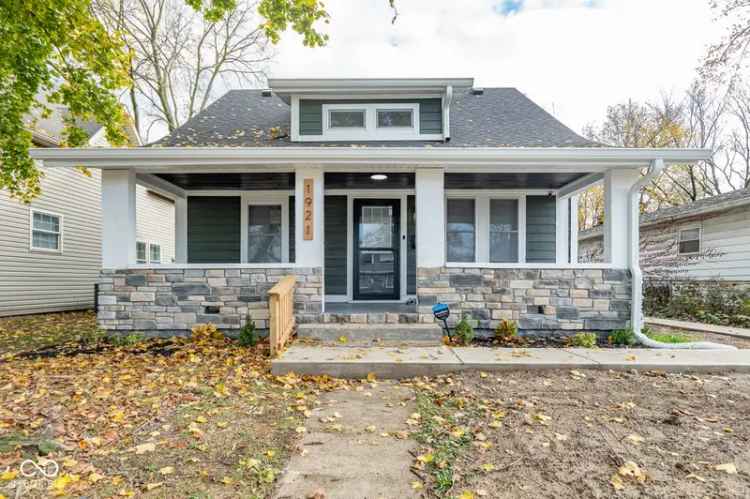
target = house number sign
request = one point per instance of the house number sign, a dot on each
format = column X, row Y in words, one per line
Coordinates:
column 308, row 210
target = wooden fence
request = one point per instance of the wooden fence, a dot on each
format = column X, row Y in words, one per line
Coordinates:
column 281, row 305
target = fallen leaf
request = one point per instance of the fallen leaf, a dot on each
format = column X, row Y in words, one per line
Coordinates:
column 632, row 470
column 635, row 439
column 143, row 448
column 152, row 486
column 728, row 468
column 167, row 470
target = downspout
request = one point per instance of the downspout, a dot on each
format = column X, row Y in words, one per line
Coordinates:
column 447, row 100
column 636, row 308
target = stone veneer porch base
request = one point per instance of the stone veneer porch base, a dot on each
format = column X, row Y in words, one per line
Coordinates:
column 539, row 300
column 175, row 300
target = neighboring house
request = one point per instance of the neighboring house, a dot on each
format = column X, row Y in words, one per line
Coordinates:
column 375, row 193
column 708, row 239
column 50, row 250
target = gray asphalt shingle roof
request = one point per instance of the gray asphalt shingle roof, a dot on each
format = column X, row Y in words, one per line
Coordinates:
column 500, row 117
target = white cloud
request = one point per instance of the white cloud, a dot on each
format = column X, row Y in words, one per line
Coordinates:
column 571, row 56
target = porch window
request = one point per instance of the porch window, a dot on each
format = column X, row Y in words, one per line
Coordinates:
column 154, row 253
column 264, row 234
column 395, row 118
column 461, row 231
column 690, row 241
column 140, row 252
column 504, row 230
column 46, row 231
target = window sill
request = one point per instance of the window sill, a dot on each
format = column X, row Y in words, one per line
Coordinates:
column 488, row 265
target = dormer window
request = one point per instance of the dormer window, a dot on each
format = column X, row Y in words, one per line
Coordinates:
column 346, row 118
column 395, row 118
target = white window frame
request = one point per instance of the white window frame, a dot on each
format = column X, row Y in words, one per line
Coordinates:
column 60, row 217
column 386, row 110
column 146, row 252
column 268, row 198
column 347, row 128
column 482, row 222
column 700, row 239
column 151, row 260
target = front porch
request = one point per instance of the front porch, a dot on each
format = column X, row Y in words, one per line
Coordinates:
column 489, row 231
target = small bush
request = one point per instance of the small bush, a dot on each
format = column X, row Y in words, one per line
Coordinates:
column 206, row 332
column 584, row 340
column 248, row 334
column 464, row 331
column 624, row 337
column 506, row 331
column 124, row 340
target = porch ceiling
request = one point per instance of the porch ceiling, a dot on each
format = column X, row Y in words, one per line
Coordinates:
column 509, row 180
column 231, row 181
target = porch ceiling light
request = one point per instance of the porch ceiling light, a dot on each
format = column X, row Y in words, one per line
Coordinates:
column 378, row 176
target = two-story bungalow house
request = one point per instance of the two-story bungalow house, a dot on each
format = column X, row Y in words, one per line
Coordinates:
column 383, row 197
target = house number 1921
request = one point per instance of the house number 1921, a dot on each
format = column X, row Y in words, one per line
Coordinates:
column 308, row 210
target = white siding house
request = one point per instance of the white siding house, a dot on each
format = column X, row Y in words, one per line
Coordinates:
column 50, row 249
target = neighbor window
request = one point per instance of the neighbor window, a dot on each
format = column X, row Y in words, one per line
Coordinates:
column 504, row 230
column 346, row 118
column 392, row 118
column 264, row 234
column 690, row 241
column 460, row 234
column 154, row 253
column 46, row 231
column 140, row 252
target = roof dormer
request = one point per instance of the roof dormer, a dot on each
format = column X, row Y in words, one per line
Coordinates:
column 410, row 109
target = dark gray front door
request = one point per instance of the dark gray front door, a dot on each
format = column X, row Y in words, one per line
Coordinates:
column 376, row 249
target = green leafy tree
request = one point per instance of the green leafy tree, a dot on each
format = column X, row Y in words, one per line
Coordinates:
column 57, row 52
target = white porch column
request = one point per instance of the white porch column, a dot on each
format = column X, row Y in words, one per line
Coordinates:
column 180, row 230
column 573, row 257
column 430, row 207
column 309, row 253
column 617, row 242
column 118, row 218
column 562, row 234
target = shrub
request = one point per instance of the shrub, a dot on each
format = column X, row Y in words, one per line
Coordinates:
column 206, row 332
column 584, row 340
column 248, row 334
column 506, row 331
column 625, row 337
column 464, row 331
column 124, row 340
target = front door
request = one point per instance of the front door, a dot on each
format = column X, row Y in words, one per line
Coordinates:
column 376, row 249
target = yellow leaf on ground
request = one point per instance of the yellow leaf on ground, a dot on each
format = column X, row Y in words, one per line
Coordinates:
column 728, row 468
column 417, row 485
column 617, row 482
column 95, row 477
column 370, row 429
column 425, row 458
column 201, row 419
column 466, row 494
column 343, row 339
column 167, row 470
column 227, row 480
column 8, row 475
column 632, row 470
column 635, row 439
column 488, row 467
column 152, row 486
column 371, row 377
column 143, row 448
column 300, row 429
column 59, row 484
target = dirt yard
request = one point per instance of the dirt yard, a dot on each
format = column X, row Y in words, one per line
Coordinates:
column 203, row 417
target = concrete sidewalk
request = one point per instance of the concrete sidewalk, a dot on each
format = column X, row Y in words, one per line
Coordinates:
column 405, row 362
column 737, row 332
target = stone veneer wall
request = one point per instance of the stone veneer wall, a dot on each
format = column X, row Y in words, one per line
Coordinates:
column 539, row 300
column 174, row 300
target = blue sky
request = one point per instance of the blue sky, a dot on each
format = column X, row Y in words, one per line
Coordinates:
column 573, row 57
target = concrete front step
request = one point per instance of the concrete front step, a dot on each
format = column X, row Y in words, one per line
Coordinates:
column 406, row 362
column 367, row 334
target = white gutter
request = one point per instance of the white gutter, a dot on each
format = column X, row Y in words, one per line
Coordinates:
column 447, row 100
column 410, row 156
column 636, row 306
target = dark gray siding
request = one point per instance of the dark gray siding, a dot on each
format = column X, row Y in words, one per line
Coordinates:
column 335, row 245
column 411, row 245
column 292, row 237
column 310, row 117
column 540, row 229
column 213, row 229
column 311, row 114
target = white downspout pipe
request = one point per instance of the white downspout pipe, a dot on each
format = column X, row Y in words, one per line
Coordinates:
column 636, row 309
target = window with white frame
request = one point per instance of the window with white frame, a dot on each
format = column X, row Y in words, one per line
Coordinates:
column 140, row 252
column 690, row 241
column 154, row 253
column 395, row 118
column 461, row 230
column 503, row 232
column 264, row 233
column 46, row 231
column 346, row 118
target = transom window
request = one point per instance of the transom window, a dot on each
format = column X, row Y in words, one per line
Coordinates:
column 46, row 231
column 395, row 118
column 690, row 241
column 346, row 118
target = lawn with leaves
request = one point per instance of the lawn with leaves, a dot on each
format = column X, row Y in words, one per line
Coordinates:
column 163, row 418
column 31, row 332
column 583, row 434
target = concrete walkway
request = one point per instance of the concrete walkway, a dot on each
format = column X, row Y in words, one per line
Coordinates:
column 737, row 332
column 404, row 362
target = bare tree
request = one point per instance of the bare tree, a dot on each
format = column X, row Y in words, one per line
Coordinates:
column 725, row 59
column 179, row 60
